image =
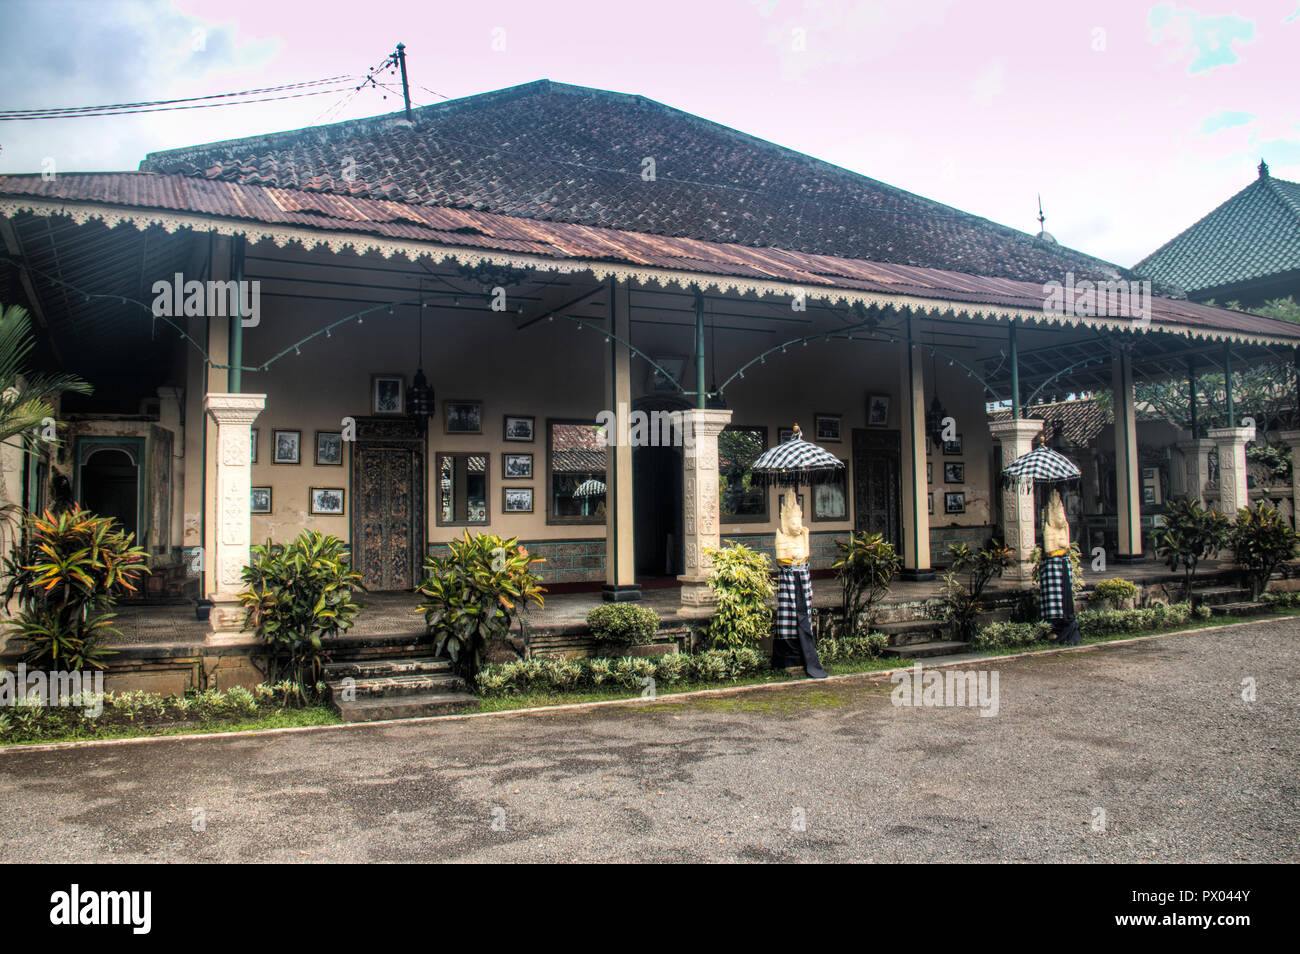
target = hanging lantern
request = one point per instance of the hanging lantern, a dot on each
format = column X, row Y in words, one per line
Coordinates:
column 419, row 399
column 934, row 419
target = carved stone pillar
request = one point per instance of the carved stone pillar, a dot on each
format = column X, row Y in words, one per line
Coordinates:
column 700, row 500
column 1233, row 493
column 1196, row 456
column 230, row 534
column 1292, row 440
column 1018, row 518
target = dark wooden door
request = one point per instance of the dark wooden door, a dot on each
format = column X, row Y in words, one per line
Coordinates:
column 388, row 530
column 876, row 496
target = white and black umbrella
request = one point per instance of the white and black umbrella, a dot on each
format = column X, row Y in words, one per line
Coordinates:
column 795, row 462
column 1042, row 465
column 591, row 487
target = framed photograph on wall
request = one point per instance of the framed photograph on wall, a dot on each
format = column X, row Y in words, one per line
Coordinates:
column 929, row 502
column 954, row 502
column 954, row 472
column 516, row 466
column 326, row 501
column 329, row 448
column 252, row 433
column 260, row 501
column 877, row 410
column 952, row 448
column 516, row 499
column 387, row 394
column 463, row 417
column 286, row 446
column 830, row 496
column 519, row 427
column 827, row 427
column 929, row 472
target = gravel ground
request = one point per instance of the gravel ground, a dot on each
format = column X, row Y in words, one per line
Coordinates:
column 1156, row 734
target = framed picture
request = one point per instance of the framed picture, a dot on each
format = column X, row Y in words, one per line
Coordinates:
column 516, row 499
column 826, row 427
column 519, row 428
column 929, row 474
column 327, row 501
column 252, row 456
column 329, row 448
column 830, row 496
column 286, row 447
column 954, row 502
column 784, row 434
column 1148, row 494
column 463, row 417
column 952, row 448
column 516, row 466
column 260, row 501
column 954, row 472
column 929, row 501
column 387, row 394
column 877, row 410
column 674, row 365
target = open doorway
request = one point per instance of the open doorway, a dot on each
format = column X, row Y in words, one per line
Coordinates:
column 108, row 481
column 657, row 502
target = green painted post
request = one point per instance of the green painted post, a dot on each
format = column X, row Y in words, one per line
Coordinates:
column 1015, row 373
column 235, row 376
column 1191, row 391
column 1227, row 383
column 701, row 401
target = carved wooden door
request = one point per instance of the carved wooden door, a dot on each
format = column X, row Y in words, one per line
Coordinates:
column 388, row 506
column 876, row 461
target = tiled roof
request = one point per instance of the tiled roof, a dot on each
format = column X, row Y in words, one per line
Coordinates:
column 203, row 198
column 1253, row 235
column 1080, row 420
column 562, row 153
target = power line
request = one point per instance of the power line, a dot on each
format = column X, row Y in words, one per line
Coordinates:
column 241, row 97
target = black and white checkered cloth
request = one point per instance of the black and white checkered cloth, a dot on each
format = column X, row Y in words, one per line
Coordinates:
column 1056, row 587
column 788, row 577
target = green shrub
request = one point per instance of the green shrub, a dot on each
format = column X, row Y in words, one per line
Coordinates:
column 1009, row 635
column 67, row 572
column 473, row 595
column 623, row 623
column 1099, row 623
column 962, row 602
column 297, row 595
column 866, row 565
column 628, row 672
column 852, row 648
column 742, row 580
column 1191, row 533
column 1260, row 541
column 1114, row 593
column 1281, row 601
column 136, row 703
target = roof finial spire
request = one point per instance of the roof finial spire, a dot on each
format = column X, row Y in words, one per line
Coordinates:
column 1041, row 218
column 1263, row 169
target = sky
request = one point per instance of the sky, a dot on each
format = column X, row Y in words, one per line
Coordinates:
column 1132, row 119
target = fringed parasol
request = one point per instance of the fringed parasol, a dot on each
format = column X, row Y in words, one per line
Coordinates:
column 1042, row 465
column 795, row 462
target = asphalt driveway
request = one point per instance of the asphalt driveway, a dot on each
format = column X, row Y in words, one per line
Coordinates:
column 1140, row 752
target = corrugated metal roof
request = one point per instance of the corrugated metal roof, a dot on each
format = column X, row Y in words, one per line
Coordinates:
column 467, row 228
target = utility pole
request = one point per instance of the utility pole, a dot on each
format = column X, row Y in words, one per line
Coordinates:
column 406, row 89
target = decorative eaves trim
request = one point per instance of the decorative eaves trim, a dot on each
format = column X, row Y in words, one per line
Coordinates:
column 824, row 290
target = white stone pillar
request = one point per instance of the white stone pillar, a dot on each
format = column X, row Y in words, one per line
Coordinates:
column 620, row 551
column 1292, row 440
column 229, row 537
column 916, row 489
column 1196, row 457
column 1233, row 492
column 700, row 500
column 1018, row 517
column 1128, row 474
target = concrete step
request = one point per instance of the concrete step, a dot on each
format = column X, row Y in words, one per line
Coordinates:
column 913, row 631
column 399, row 666
column 1218, row 595
column 926, row 650
column 1243, row 608
column 406, row 684
column 375, row 708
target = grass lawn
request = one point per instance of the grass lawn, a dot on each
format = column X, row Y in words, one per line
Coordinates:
column 278, row 719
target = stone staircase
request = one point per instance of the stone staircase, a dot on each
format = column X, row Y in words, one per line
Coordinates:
column 367, row 690
column 1229, row 600
column 920, row 639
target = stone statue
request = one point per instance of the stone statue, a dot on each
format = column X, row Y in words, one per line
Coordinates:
column 1056, row 531
column 792, row 537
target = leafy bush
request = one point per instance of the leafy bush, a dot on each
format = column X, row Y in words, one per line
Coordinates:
column 540, row 674
column 852, row 648
column 1009, row 635
column 1097, row 623
column 1114, row 593
column 623, row 623
column 866, row 565
column 1260, row 541
column 962, row 602
column 299, row 594
column 742, row 580
column 473, row 595
column 68, row 571
column 1191, row 533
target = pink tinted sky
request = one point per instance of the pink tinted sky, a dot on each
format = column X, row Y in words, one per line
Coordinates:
column 1132, row 119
